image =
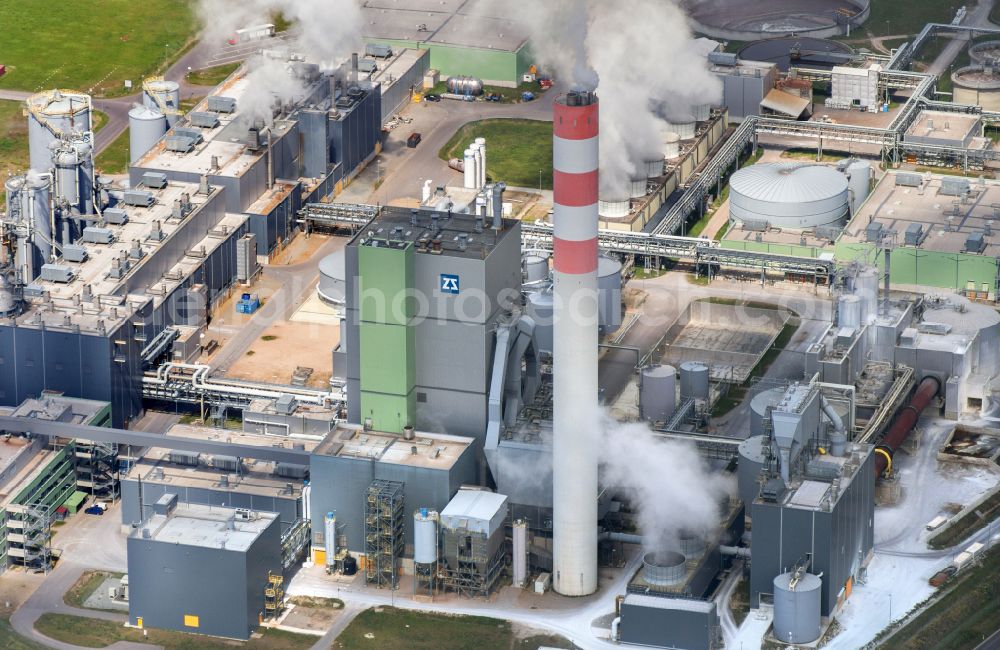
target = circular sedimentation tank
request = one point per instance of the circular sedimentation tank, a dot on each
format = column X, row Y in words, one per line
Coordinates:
column 799, row 52
column 789, row 195
column 985, row 52
column 664, row 568
column 977, row 85
column 742, row 20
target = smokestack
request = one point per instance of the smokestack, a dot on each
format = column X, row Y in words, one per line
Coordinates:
column 481, row 143
column 469, row 169
column 574, row 450
column 354, row 69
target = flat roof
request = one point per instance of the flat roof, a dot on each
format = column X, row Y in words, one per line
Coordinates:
column 897, row 207
column 392, row 70
column 433, row 450
column 943, row 126
column 474, row 504
column 10, row 451
column 206, row 527
column 480, row 24
column 396, row 224
column 58, row 408
column 31, row 469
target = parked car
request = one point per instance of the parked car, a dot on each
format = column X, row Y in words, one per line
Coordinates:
column 432, row 98
column 493, row 97
column 413, row 140
column 527, row 96
column 94, row 510
column 942, row 576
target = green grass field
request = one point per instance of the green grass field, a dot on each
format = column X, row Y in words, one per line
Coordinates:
column 399, row 628
column 211, row 76
column 906, row 16
column 94, row 633
column 86, row 585
column 11, row 640
column 90, row 46
column 13, row 139
column 115, row 158
column 519, row 152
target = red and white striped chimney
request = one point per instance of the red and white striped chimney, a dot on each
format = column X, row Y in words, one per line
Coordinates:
column 575, row 391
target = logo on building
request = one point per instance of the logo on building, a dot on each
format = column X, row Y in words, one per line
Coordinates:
column 449, row 283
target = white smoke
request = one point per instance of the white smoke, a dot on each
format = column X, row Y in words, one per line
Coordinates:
column 675, row 490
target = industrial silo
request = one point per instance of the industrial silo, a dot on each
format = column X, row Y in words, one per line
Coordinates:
column 859, row 181
column 759, row 405
column 614, row 207
column 671, row 145
column 694, row 380
column 519, row 553
column 83, row 144
column 425, row 532
column 789, row 195
column 751, row 462
column 164, row 96
column 657, row 393
column 609, row 289
column 332, row 288
column 849, row 311
column 29, row 197
column 8, row 293
column 536, row 266
column 53, row 114
column 866, row 287
column 977, row 85
column 797, row 598
column 145, row 128
column 539, row 308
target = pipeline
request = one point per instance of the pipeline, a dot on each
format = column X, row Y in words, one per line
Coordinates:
column 901, row 428
column 735, row 551
column 626, row 538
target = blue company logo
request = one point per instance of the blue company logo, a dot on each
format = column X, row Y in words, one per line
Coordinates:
column 449, row 283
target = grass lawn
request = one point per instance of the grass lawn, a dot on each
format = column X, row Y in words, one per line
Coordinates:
column 86, row 585
column 11, row 640
column 906, row 16
column 13, row 139
column 94, row 633
column 90, row 46
column 115, row 158
column 398, row 628
column 211, row 76
column 968, row 612
column 518, row 152
column 98, row 120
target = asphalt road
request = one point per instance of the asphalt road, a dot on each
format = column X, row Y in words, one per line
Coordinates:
column 992, row 643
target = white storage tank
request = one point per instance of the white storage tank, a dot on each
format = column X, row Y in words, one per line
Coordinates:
column 425, row 535
column 759, row 405
column 849, row 311
column 51, row 114
column 859, row 181
column 609, row 290
column 797, row 607
column 164, row 96
column 789, row 195
column 330, row 538
column 332, row 288
column 671, row 145
column 145, row 128
column 615, row 207
column 694, row 380
column 539, row 308
column 536, row 266
column 751, row 462
column 866, row 287
column 658, row 393
column 519, row 555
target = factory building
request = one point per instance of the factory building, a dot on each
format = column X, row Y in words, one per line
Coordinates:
column 400, row 75
column 745, row 84
column 425, row 362
column 473, row 542
column 203, row 569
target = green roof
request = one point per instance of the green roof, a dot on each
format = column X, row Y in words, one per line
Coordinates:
column 75, row 499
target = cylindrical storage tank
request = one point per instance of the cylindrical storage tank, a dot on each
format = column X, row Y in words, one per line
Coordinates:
column 536, row 266
column 164, row 96
column 694, row 380
column 330, row 537
column 657, row 393
column 789, row 195
column 985, row 52
column 977, row 85
column 67, row 165
column 866, row 287
column 750, row 465
column 637, row 187
column 671, row 145
column 8, row 294
column 519, row 559
column 481, row 143
column 702, row 112
column 859, row 181
column 539, row 308
column 145, row 128
column 759, row 405
column 52, row 114
column 797, row 607
column 84, row 148
column 685, row 126
column 664, row 568
column 37, row 199
column 462, row 85
column 425, row 528
column 477, row 154
column 653, row 167
column 614, row 207
column 332, row 288
column 609, row 288
column 849, row 311
column 469, row 169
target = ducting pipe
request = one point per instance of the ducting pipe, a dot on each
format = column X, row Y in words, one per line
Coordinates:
column 838, row 440
column 905, row 421
column 625, row 538
column 614, row 628
column 735, row 551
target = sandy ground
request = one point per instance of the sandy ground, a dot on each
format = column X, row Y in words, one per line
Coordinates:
column 16, row 586
column 311, row 618
column 297, row 343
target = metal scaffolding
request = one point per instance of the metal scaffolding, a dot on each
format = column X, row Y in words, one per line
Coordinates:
column 472, row 561
column 274, row 595
column 384, row 539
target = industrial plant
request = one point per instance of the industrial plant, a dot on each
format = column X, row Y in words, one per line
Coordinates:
column 320, row 341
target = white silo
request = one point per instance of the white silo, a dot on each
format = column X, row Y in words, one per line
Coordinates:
column 425, row 550
column 481, row 143
column 145, row 128
column 536, row 266
column 609, row 289
column 469, row 169
column 519, row 554
column 866, row 287
column 477, row 153
column 753, row 456
column 658, row 393
column 859, row 181
column 797, row 598
column 164, row 96
column 789, row 195
column 849, row 311
column 53, row 114
column 83, row 145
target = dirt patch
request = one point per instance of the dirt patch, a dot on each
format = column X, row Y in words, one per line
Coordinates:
column 311, row 618
column 295, row 344
column 299, row 250
column 15, row 588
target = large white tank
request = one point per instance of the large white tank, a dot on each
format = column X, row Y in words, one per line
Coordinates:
column 789, row 195
column 519, row 555
column 694, row 380
column 759, row 405
column 536, row 266
column 615, row 207
column 425, row 525
column 797, row 607
column 658, row 393
column 849, row 311
column 163, row 95
column 750, row 464
column 481, row 143
column 330, row 537
column 145, row 128
column 539, row 308
column 469, row 179
column 859, row 181
column 332, row 288
column 671, row 145
column 609, row 287
column 52, row 114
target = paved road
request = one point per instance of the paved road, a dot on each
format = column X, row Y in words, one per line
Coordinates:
column 992, row 643
column 977, row 17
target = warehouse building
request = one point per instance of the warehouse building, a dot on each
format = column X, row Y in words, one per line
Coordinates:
column 202, row 569
column 399, row 76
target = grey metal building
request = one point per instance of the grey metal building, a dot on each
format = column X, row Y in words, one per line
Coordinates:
column 400, row 76
column 744, row 83
column 202, row 569
column 680, row 623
